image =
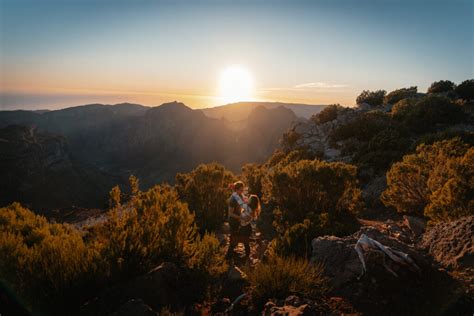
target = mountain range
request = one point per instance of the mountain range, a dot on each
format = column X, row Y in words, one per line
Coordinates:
column 96, row 146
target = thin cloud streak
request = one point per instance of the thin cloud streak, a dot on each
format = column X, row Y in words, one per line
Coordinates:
column 310, row 86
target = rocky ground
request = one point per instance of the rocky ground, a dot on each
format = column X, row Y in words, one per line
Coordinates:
column 442, row 286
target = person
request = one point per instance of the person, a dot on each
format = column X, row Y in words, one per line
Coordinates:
column 242, row 213
column 250, row 212
column 235, row 202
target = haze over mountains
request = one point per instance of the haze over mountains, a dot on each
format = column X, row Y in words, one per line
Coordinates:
column 241, row 110
column 86, row 149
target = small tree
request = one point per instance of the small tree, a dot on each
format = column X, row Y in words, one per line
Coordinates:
column 206, row 190
column 466, row 90
column 442, row 86
column 372, row 98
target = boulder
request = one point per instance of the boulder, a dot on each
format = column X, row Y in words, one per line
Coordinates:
column 451, row 244
column 379, row 291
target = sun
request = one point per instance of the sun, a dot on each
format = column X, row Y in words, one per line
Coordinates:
column 236, row 84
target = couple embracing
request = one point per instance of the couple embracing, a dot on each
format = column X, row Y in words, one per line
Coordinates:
column 243, row 213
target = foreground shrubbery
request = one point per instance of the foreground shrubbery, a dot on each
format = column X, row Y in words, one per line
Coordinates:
column 281, row 277
column 55, row 266
column 436, row 181
column 45, row 262
column 206, row 190
column 312, row 197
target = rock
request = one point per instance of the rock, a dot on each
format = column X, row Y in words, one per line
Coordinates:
column 378, row 290
column 451, row 244
column 416, row 225
column 135, row 307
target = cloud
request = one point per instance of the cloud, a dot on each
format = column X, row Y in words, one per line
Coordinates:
column 310, row 86
column 318, row 85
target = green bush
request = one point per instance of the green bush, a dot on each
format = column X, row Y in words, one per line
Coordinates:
column 373, row 98
column 253, row 176
column 363, row 127
column 153, row 227
column 427, row 114
column 329, row 113
column 435, row 182
column 442, row 86
column 205, row 257
column 307, row 187
column 318, row 197
column 281, row 277
column 465, row 90
column 206, row 190
column 400, row 94
column 47, row 264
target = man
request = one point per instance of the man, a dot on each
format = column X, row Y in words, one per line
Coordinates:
column 235, row 203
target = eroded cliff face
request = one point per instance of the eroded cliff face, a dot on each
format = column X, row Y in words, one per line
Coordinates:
column 37, row 170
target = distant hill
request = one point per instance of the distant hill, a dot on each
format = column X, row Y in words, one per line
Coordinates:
column 153, row 143
column 241, row 110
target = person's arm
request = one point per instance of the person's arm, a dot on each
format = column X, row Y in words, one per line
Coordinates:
column 232, row 215
column 239, row 200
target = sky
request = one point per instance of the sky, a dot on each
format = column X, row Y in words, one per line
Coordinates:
column 55, row 54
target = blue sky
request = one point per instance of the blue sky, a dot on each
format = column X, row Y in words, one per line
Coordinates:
column 62, row 53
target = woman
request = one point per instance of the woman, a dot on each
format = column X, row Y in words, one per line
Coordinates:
column 249, row 214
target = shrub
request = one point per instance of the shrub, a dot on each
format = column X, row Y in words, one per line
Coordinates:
column 206, row 190
column 291, row 140
column 47, row 264
column 466, row 90
column 153, row 227
column 403, row 105
column 205, row 257
column 373, row 98
column 363, row 128
column 442, row 86
column 427, row 114
column 281, row 277
column 382, row 149
column 452, row 190
column 400, row 94
column 328, row 114
column 310, row 187
column 253, row 175
column 321, row 197
column 435, row 182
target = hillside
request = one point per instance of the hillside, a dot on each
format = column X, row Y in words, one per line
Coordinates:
column 241, row 110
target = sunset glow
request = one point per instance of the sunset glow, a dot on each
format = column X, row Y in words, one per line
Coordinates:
column 236, row 84
column 56, row 54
